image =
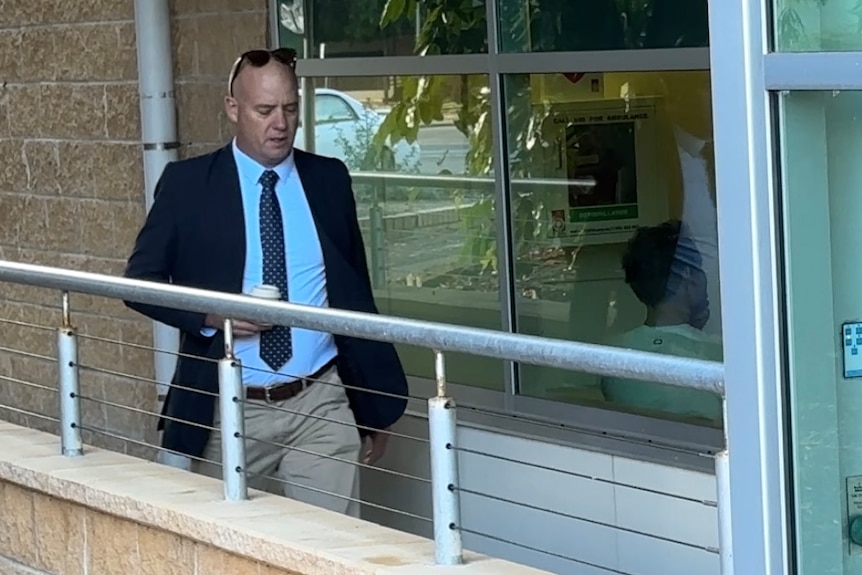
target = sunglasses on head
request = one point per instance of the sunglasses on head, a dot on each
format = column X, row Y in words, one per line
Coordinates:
column 260, row 58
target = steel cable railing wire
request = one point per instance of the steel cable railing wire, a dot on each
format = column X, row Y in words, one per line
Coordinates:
column 281, row 480
column 585, row 431
column 115, row 405
column 119, row 437
column 527, row 420
column 140, row 411
column 586, row 476
column 142, row 379
column 273, row 407
column 360, row 464
column 29, row 325
column 297, row 485
column 402, row 436
column 145, row 347
column 28, row 413
column 390, row 433
column 29, row 384
column 341, row 384
column 596, row 522
column 244, row 367
column 29, row 354
column 525, row 547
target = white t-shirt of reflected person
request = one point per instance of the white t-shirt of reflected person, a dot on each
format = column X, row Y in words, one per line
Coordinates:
column 676, row 340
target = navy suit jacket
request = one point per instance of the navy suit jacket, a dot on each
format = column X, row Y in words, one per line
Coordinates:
column 194, row 236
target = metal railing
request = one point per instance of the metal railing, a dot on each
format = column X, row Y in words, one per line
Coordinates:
column 444, row 481
column 378, row 260
column 462, row 181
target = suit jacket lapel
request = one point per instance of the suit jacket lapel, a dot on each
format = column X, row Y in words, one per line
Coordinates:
column 228, row 224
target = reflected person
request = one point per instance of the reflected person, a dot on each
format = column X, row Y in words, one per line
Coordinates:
column 664, row 270
column 258, row 211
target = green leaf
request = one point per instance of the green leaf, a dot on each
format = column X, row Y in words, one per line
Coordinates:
column 387, row 129
column 426, row 111
column 392, row 11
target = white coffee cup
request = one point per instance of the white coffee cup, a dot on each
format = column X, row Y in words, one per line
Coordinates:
column 266, row 292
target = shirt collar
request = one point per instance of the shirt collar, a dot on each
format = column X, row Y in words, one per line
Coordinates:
column 250, row 170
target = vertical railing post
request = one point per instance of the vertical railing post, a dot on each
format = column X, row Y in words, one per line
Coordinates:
column 232, row 421
column 722, row 482
column 444, row 471
column 725, row 530
column 68, row 385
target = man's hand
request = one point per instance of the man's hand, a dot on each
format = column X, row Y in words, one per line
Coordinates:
column 241, row 328
column 375, row 445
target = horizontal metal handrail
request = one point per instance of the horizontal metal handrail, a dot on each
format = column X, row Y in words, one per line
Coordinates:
column 585, row 357
column 454, row 181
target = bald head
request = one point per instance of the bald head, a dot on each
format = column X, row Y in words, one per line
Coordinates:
column 249, row 76
column 264, row 109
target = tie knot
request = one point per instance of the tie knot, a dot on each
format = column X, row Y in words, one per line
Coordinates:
column 268, row 179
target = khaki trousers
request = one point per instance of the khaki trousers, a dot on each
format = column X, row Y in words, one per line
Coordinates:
column 305, row 447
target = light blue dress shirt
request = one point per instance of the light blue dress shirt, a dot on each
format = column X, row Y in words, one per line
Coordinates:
column 306, row 274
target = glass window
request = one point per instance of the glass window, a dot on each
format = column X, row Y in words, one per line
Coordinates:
column 374, row 28
column 817, row 25
column 614, row 219
column 820, row 173
column 574, row 25
column 334, row 107
column 419, row 151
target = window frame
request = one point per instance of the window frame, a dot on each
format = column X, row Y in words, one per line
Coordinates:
column 666, row 442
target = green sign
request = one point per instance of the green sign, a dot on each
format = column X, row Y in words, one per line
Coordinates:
column 603, row 213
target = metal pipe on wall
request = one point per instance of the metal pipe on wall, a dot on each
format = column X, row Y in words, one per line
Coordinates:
column 306, row 84
column 160, row 147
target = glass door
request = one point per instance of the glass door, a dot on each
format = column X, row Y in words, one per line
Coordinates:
column 815, row 94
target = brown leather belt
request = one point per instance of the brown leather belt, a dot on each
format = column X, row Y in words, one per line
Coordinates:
column 285, row 391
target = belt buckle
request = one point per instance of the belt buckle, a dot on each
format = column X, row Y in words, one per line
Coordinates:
column 267, row 393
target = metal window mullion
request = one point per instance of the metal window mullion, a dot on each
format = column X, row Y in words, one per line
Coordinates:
column 503, row 212
column 605, row 61
column 750, row 287
column 450, row 65
column 526, row 63
column 813, row 71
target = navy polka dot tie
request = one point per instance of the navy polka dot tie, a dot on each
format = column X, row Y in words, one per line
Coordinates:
column 275, row 344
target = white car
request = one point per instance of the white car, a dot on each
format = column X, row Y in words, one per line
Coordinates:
column 344, row 128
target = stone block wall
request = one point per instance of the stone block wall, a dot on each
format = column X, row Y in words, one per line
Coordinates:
column 72, row 190
column 45, row 535
column 106, row 513
column 208, row 35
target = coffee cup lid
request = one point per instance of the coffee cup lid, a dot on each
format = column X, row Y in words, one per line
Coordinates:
column 266, row 291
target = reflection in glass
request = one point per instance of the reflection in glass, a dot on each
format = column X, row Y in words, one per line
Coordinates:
column 424, row 199
column 374, row 28
column 821, row 143
column 817, row 25
column 575, row 25
column 619, row 194
column 664, row 269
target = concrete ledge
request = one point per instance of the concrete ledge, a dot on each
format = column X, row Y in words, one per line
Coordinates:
column 144, row 500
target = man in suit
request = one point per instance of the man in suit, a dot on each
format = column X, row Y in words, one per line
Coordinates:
column 258, row 211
